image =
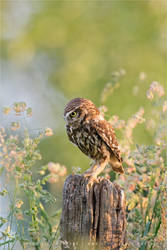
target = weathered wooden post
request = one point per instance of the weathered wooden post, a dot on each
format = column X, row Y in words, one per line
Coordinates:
column 93, row 214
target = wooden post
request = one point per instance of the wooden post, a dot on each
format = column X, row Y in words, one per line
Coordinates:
column 93, row 214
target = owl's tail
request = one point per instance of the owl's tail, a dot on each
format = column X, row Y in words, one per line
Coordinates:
column 116, row 165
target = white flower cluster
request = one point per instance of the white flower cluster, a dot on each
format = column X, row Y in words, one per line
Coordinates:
column 155, row 88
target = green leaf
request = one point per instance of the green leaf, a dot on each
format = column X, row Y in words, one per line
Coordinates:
column 7, row 242
column 3, row 192
column 1, row 170
column 147, row 228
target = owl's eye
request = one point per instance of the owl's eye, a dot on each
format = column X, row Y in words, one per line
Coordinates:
column 73, row 114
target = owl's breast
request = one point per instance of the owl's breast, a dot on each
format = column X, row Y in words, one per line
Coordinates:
column 87, row 140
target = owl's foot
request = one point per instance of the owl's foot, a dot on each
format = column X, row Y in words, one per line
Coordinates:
column 89, row 179
column 87, row 174
column 95, row 170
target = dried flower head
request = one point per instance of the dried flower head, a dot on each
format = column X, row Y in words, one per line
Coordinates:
column 19, row 216
column 15, row 126
column 116, row 122
column 53, row 178
column 19, row 107
column 155, row 88
column 19, row 203
column 48, row 132
column 6, row 110
column 164, row 107
column 142, row 76
column 56, row 168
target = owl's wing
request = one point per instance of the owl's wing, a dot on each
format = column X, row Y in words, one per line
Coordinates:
column 106, row 132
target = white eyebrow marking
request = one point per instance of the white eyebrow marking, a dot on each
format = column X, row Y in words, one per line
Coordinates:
column 67, row 114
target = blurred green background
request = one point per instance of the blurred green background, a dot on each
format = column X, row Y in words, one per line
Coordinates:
column 52, row 51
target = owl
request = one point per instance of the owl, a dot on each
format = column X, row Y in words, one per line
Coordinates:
column 93, row 135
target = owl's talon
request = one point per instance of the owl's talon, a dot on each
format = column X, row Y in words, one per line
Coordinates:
column 90, row 180
column 90, row 177
column 87, row 175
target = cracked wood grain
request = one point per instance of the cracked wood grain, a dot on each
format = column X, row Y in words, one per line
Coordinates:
column 93, row 214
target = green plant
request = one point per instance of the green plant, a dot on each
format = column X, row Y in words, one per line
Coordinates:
column 145, row 181
column 28, row 221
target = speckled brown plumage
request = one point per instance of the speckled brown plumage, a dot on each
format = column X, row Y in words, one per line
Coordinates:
column 93, row 135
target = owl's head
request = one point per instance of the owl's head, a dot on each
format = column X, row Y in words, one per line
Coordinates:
column 79, row 109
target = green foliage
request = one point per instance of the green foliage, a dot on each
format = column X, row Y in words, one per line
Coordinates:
column 145, row 181
column 29, row 220
column 80, row 45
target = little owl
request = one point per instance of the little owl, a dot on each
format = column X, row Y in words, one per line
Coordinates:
column 93, row 135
